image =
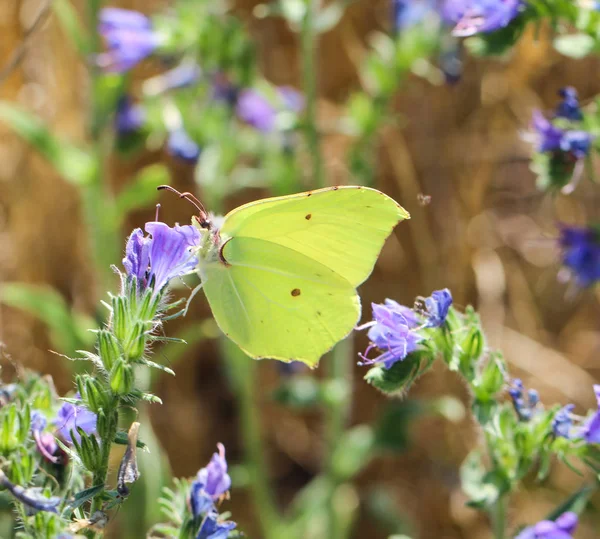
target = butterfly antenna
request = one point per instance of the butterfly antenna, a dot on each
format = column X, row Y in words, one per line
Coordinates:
column 203, row 217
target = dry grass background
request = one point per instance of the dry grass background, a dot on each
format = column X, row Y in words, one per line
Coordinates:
column 486, row 235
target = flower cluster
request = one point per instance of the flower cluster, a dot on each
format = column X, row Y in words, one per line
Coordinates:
column 524, row 405
column 566, row 425
column 480, row 16
column 553, row 138
column 561, row 528
column 395, row 330
column 167, row 253
column 580, row 248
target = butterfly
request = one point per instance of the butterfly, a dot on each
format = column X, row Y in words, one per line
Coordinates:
column 280, row 274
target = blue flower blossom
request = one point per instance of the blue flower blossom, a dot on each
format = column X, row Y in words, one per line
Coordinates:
column 181, row 146
column 129, row 37
column 480, row 16
column 210, row 484
column 70, row 417
column 167, row 254
column 562, row 424
column 524, row 407
column 591, row 428
column 213, row 528
column 437, row 306
column 392, row 333
column 581, row 253
column 408, row 13
column 32, row 498
column 569, row 107
column 129, row 117
column 562, row 528
column 552, row 138
column 256, row 110
column 44, row 441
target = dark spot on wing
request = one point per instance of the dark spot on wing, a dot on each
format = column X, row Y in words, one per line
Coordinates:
column 296, row 292
column 309, row 193
column 308, row 216
column 318, row 313
column 318, row 275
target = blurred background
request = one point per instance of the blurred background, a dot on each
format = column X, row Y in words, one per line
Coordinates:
column 486, row 233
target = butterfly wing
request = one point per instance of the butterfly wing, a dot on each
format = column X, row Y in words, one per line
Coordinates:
column 288, row 289
column 278, row 303
column 344, row 228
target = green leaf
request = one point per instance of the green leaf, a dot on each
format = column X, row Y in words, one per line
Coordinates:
column 71, row 25
column 575, row 45
column 576, row 502
column 74, row 164
column 68, row 330
column 353, row 452
column 141, row 192
column 122, row 439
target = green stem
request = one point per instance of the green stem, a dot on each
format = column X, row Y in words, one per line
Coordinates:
column 243, row 371
column 339, row 384
column 498, row 518
column 309, row 73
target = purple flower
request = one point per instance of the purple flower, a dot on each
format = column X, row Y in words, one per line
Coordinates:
column 129, row 38
column 181, row 146
column 137, row 255
column 437, row 306
column 182, row 76
column 581, row 253
column 259, row 112
column 569, row 106
column 562, row 528
column 408, row 13
column 210, row 484
column 212, row 528
column 44, row 441
column 479, row 16
column 563, row 422
column 523, row 406
column 33, row 498
column 129, row 117
column 552, row 138
column 162, row 257
column 591, row 428
column 549, row 136
column 70, row 417
column 392, row 333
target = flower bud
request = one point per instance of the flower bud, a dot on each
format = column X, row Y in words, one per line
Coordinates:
column 136, row 342
column 108, row 348
column 120, row 317
column 121, row 378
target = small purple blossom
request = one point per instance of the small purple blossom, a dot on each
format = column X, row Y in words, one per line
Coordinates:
column 591, row 428
column 390, row 332
column 256, row 110
column 569, row 107
column 408, row 13
column 70, row 417
column 562, row 424
column 581, row 253
column 479, row 16
column 524, row 406
column 129, row 117
column 182, row 146
column 210, row 484
column 44, row 441
column 213, row 528
column 562, row 528
column 33, row 498
column 167, row 254
column 437, row 306
column 552, row 138
column 129, row 37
